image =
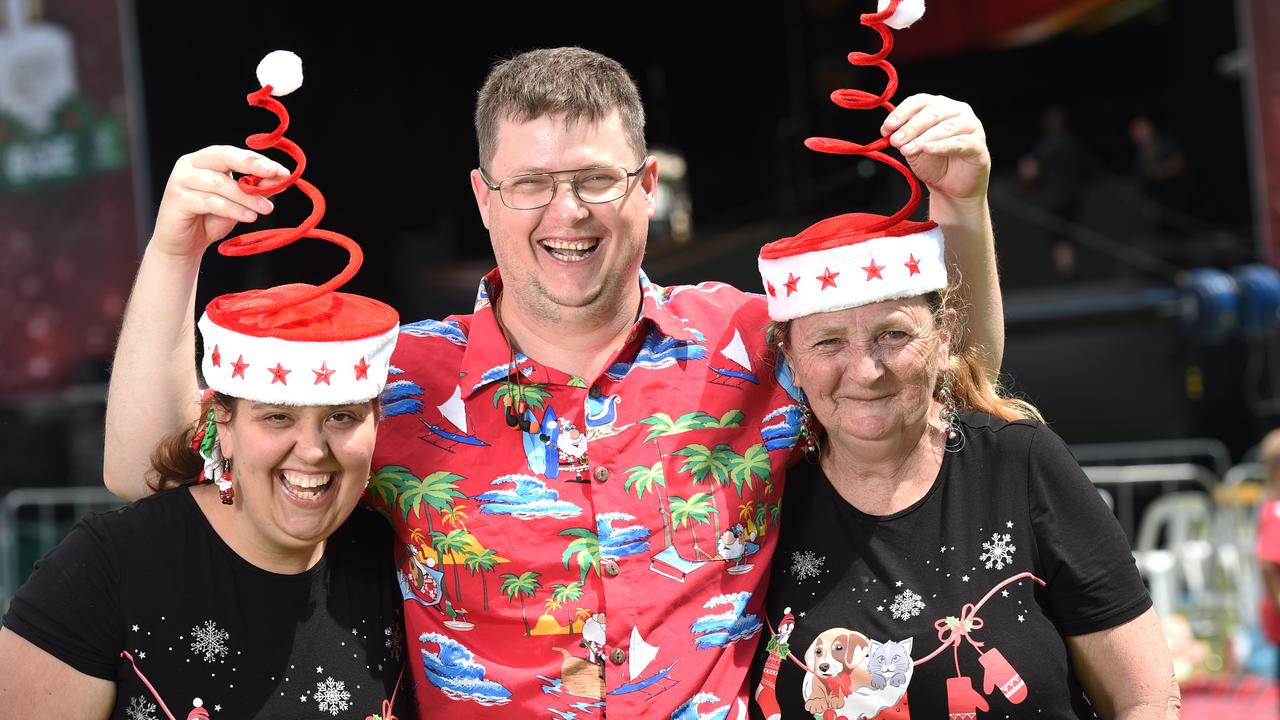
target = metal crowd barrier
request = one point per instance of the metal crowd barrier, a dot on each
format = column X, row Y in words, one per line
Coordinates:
column 1123, row 482
column 34, row 520
column 1156, row 452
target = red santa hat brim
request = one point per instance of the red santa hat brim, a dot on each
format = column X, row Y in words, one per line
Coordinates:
column 838, row 264
column 332, row 350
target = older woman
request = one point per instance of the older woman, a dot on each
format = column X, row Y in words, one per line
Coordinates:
column 945, row 549
column 943, row 555
column 263, row 592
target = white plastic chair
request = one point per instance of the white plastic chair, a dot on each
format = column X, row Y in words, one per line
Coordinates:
column 1173, row 547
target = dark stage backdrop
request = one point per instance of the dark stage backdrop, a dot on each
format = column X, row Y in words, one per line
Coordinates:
column 385, row 117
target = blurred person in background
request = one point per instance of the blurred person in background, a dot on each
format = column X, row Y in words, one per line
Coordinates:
column 1267, row 548
column 1057, row 170
column 1162, row 175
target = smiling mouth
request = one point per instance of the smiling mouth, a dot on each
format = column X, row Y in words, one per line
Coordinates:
column 305, row 486
column 570, row 251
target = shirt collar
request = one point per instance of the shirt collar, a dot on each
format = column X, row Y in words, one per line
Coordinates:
column 488, row 356
column 653, row 307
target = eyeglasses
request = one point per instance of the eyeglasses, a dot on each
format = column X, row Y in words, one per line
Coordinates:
column 590, row 185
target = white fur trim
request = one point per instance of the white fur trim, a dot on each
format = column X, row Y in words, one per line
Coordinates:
column 907, row 13
column 282, row 70
column 305, row 361
column 852, row 286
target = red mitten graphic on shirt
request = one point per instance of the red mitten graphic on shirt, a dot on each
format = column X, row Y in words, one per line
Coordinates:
column 963, row 702
column 999, row 673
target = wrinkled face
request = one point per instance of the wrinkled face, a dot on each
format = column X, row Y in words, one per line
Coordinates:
column 299, row 471
column 869, row 371
column 569, row 254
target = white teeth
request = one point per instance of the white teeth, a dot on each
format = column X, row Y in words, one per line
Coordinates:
column 306, row 480
column 569, row 244
column 570, row 251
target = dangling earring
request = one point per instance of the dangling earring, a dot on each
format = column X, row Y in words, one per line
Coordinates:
column 951, row 421
column 808, row 435
column 226, row 490
column 216, row 467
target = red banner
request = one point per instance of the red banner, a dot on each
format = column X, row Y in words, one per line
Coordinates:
column 68, row 235
column 1261, row 19
column 954, row 26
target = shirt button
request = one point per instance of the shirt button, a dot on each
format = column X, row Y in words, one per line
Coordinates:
column 618, row 656
column 601, row 474
column 611, row 567
column 595, row 391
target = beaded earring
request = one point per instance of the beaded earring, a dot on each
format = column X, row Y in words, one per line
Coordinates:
column 808, row 435
column 955, row 436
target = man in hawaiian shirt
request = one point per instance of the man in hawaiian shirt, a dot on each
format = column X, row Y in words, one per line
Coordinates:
column 469, row 468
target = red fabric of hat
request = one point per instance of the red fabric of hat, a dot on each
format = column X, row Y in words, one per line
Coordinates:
column 295, row 344
column 858, row 258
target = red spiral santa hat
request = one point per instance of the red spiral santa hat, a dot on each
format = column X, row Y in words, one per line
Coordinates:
column 294, row 344
column 858, row 258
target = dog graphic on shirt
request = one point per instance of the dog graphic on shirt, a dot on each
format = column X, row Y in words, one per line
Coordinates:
column 836, row 663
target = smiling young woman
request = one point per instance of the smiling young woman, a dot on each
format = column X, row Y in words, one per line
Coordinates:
column 251, row 564
column 299, row 470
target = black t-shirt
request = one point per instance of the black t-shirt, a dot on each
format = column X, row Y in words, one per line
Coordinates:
column 155, row 580
column 872, row 598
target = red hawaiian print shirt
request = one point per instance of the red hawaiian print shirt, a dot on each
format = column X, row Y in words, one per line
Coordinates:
column 570, row 546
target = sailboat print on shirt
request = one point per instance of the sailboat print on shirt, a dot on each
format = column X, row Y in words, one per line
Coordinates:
column 736, row 352
column 455, row 413
column 640, row 655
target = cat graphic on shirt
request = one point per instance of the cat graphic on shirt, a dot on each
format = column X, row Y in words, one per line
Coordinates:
column 888, row 663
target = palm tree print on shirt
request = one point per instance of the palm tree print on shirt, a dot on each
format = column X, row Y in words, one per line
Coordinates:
column 523, row 585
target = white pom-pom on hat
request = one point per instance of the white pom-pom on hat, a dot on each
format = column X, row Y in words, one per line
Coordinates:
column 282, row 70
column 907, row 13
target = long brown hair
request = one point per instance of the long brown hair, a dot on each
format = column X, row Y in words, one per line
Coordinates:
column 970, row 385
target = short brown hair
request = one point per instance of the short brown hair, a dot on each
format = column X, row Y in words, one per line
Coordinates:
column 570, row 81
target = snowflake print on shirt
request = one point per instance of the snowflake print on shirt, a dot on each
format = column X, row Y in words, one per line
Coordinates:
column 999, row 551
column 332, row 696
column 209, row 641
column 906, row 605
column 395, row 640
column 140, row 709
column 806, row 564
